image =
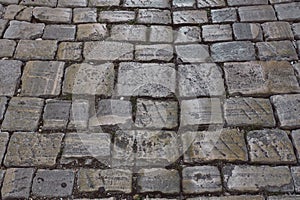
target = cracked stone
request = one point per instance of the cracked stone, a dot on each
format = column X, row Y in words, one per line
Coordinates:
column 154, row 16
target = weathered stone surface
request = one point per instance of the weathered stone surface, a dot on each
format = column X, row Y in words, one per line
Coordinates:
column 10, row 73
column 247, row 31
column 11, row 11
column 247, row 178
column 158, row 180
column 74, row 3
column 232, row 51
column 184, row 3
column 296, row 141
column 156, row 114
column 85, row 15
column 3, row 24
column 277, row 31
column 100, row 79
column 4, row 137
column 24, row 30
column 7, row 48
column 248, row 112
column 25, row 14
column 284, row 197
column 86, row 145
column 154, row 16
column 163, row 34
column 257, row 13
column 36, row 49
column 126, row 32
column 110, row 180
column 190, row 53
column 23, row 114
column 210, row 3
column 276, row 50
column 97, row 3
column 2, row 173
column 70, row 51
column 155, row 52
column 116, row 16
column 289, row 11
column 51, row 3
column 60, row 32
column 287, row 108
column 260, row 78
column 296, row 177
column 200, row 80
column 246, row 2
column 186, row 34
column 214, row 33
column 224, row 15
column 33, row 149
column 108, row 51
column 53, row 183
column 91, row 32
column 270, row 147
column 296, row 30
column 225, row 144
column 79, row 114
column 205, row 111
column 53, row 15
column 112, row 112
column 147, row 4
column 56, row 114
column 42, row 78
column 3, row 104
column 201, row 179
column 17, row 183
column 240, row 197
column 190, row 17
column 148, row 79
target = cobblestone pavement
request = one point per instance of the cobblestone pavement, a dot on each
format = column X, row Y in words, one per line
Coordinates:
column 150, row 99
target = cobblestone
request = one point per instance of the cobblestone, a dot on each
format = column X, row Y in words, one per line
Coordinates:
column 24, row 30
column 10, row 73
column 3, row 104
column 289, row 11
column 276, row 50
column 257, row 13
column 7, row 48
column 247, row 31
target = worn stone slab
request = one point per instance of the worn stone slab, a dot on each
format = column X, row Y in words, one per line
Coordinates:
column 52, row 15
column 237, row 197
column 86, row 145
column 277, row 31
column 161, row 52
column 60, row 32
column 53, row 183
column 56, row 114
column 51, row 3
column 247, row 31
column 4, row 137
column 296, row 30
column 270, row 147
column 287, row 108
column 74, row 3
column 17, row 183
column 284, row 197
column 200, row 80
column 70, row 51
column 210, row 3
column 146, row 79
column 84, row 15
column 186, row 34
column 36, row 49
column 246, row 2
column 225, row 144
column 165, row 181
column 288, row 11
column 296, row 141
column 12, row 11
column 232, row 51
column 116, row 16
column 33, row 149
column 94, row 31
column 79, row 114
column 296, row 177
column 127, row 32
column 108, row 51
column 245, row 178
column 214, row 33
column 260, row 78
column 110, row 180
column 201, row 179
column 101, row 79
column 147, row 4
column 190, row 17
column 204, row 111
column 248, row 111
column 156, row 114
column 191, row 53
column 42, row 78
column 7, row 48
column 3, row 24
column 224, row 15
column 161, row 34
column 257, row 13
column 23, row 114
column 183, row 3
column 3, row 105
column 276, row 50
column 154, row 16
column 24, row 30
column 100, row 3
column 10, row 73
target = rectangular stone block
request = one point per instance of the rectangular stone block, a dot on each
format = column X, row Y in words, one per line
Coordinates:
column 147, row 4
column 191, row 53
column 4, row 137
column 277, row 31
column 7, row 48
column 154, row 52
column 60, row 32
column 257, row 13
column 91, row 32
column 210, row 3
column 246, row 2
column 10, row 73
column 53, row 15
column 154, row 16
column 116, row 16
column 187, row 34
column 296, row 177
column 84, row 15
column 24, row 30
column 288, row 11
column 131, row 33
column 51, row 3
column 79, row 114
column 247, row 31
column 214, row 33
column 70, row 51
column 190, row 17
column 100, row 3
column 224, row 15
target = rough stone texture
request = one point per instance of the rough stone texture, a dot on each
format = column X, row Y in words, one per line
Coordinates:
column 296, row 141
column 132, row 33
column 184, row 3
column 3, row 104
column 260, row 78
column 289, row 11
column 277, row 31
column 84, row 145
column 287, row 108
column 84, row 15
column 248, row 112
column 42, row 78
column 224, row 144
column 7, row 48
column 51, row 3
column 296, row 30
column 165, row 181
column 191, row 53
column 204, row 111
column 2, row 25
column 224, row 15
column 33, row 149
column 98, row 3
column 17, row 183
column 161, row 34
column 79, row 114
column 245, row 178
column 91, row 32
column 24, row 30
column 276, row 50
column 56, row 114
column 156, row 114
column 200, row 80
column 100, row 79
column 247, row 31
column 213, row 33
column 240, row 197
column 190, row 17
column 60, row 32
column 210, row 3
column 186, row 34
column 284, row 197
column 110, row 180
column 10, row 73
column 53, row 183
column 4, row 137
column 201, row 179
column 148, row 79
column 296, row 177
column 270, row 146
column 53, row 15
column 147, row 4
column 257, row 13
column 246, row 2
column 23, row 114
column 232, row 51
column 69, row 51
column 154, row 16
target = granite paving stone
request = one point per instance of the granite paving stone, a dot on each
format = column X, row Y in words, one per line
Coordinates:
column 59, row 32
column 296, row 177
column 70, row 51
column 79, row 114
column 7, row 48
column 184, row 3
column 295, row 135
column 237, row 197
column 116, row 16
column 132, row 33
column 10, row 73
column 84, row 15
column 154, row 52
column 277, row 50
column 210, row 3
column 296, row 30
column 284, row 197
column 52, row 15
column 3, row 105
column 91, row 31
column 247, row 31
column 147, row 4
column 100, row 3
column 288, row 11
column 277, row 31
column 4, row 137
column 190, row 17
column 257, row 13
column 186, row 34
column 24, row 30
column 51, row 3
column 193, row 53
column 214, row 33
column 161, row 34
column 154, row 16
column 3, row 24
column 224, row 15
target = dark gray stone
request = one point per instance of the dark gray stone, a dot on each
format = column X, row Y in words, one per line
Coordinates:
column 10, row 73
column 276, row 50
